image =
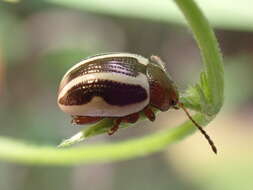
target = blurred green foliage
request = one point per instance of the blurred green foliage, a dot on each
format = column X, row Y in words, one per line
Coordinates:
column 32, row 69
column 222, row 14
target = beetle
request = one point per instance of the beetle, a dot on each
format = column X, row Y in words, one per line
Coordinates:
column 118, row 86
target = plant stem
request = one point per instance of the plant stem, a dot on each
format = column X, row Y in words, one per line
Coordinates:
column 210, row 52
column 16, row 151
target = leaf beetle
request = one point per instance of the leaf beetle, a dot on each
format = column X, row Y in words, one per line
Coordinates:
column 118, row 86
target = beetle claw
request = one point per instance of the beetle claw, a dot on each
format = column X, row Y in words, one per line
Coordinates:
column 73, row 122
column 149, row 113
column 115, row 127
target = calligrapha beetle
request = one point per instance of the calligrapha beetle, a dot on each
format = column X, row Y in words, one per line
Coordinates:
column 118, row 86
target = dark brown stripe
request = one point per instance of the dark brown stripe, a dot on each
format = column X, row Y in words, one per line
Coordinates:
column 123, row 65
column 112, row 92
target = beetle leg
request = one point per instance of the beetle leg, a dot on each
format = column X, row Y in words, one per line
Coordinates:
column 149, row 113
column 131, row 118
column 115, row 127
column 81, row 120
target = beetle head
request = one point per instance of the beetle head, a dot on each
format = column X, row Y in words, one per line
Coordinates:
column 163, row 92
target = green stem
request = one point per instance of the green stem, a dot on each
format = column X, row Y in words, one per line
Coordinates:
column 16, row 151
column 12, row 150
column 210, row 52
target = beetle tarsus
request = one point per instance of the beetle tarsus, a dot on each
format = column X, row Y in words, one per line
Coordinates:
column 149, row 113
column 115, row 127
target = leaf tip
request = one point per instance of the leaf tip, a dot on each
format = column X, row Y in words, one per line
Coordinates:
column 73, row 140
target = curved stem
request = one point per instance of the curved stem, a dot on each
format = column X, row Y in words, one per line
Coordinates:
column 210, row 52
column 13, row 150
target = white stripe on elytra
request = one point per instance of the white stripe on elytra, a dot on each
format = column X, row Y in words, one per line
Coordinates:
column 97, row 107
column 141, row 80
column 142, row 60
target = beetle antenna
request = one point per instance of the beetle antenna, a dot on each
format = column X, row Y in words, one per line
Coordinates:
column 211, row 143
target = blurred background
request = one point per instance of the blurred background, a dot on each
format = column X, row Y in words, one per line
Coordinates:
column 40, row 40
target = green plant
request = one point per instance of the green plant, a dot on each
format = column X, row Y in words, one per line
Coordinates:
column 206, row 97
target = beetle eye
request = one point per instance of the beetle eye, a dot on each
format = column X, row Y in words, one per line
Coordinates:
column 173, row 102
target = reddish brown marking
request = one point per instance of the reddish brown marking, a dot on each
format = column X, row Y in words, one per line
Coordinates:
column 115, row 126
column 81, row 120
column 159, row 97
column 149, row 113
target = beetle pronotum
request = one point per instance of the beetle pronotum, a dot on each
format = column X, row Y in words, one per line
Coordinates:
column 118, row 86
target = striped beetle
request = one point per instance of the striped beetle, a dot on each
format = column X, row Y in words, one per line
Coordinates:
column 118, row 86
